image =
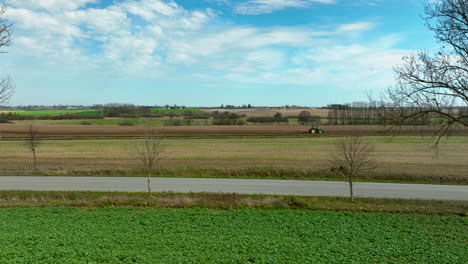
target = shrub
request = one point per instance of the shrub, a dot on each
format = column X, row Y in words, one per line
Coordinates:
column 124, row 110
column 126, row 123
column 267, row 119
column 305, row 117
column 175, row 122
column 15, row 116
column 227, row 121
column 86, row 123
column 201, row 116
column 70, row 116
column 227, row 118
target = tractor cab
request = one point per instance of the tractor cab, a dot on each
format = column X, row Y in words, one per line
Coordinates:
column 312, row 130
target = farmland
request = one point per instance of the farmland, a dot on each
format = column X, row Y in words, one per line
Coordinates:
column 203, row 117
column 12, row 130
column 175, row 111
column 322, row 112
column 402, row 158
column 56, row 112
column 95, row 122
column 249, row 112
column 145, row 235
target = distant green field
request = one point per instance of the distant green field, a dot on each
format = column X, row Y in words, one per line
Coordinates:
column 147, row 235
column 114, row 121
column 58, row 112
column 111, row 121
column 175, row 111
column 92, row 112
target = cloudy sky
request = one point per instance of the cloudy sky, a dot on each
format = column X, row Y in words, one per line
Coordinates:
column 208, row 52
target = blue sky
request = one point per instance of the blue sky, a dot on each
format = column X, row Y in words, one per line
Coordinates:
column 209, row 52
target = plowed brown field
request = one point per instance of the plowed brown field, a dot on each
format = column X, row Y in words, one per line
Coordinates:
column 253, row 130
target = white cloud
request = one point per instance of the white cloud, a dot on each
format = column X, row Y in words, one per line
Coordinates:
column 367, row 58
column 150, row 9
column 359, row 26
column 161, row 38
column 42, row 22
column 256, row 7
column 99, row 21
column 167, row 13
column 242, row 40
column 343, row 67
column 49, row 5
column 102, row 34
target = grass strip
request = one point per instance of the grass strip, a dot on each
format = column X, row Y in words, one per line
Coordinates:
column 267, row 173
column 10, row 199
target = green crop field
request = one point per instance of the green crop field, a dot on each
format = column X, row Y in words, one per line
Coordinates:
column 92, row 112
column 114, row 121
column 146, row 235
column 106, row 121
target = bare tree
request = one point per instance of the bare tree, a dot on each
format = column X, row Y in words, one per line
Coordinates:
column 353, row 156
column 6, row 85
column 32, row 142
column 149, row 152
column 437, row 85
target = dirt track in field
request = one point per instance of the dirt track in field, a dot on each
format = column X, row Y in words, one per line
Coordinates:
column 9, row 130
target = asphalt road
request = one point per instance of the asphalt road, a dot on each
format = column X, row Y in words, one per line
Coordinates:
column 285, row 187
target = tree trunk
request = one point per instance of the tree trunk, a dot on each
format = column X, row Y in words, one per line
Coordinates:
column 351, row 196
column 149, row 184
column 34, row 159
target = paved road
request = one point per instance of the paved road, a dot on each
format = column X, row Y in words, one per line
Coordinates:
column 286, row 187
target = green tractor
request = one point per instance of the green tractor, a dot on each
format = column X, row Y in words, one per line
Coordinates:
column 316, row 130
column 312, row 130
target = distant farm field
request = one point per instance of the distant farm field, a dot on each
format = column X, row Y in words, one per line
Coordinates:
column 111, row 122
column 57, row 112
column 272, row 111
column 95, row 122
column 146, row 235
column 175, row 111
column 401, row 158
column 88, row 111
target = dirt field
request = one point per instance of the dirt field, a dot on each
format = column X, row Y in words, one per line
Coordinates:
column 12, row 130
column 270, row 112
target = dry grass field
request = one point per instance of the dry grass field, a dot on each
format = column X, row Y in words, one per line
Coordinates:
column 401, row 158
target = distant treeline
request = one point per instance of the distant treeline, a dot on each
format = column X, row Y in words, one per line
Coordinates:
column 6, row 117
column 373, row 113
column 227, row 118
column 132, row 111
column 277, row 118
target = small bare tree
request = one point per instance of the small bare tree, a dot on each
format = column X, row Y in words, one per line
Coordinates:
column 353, row 156
column 149, row 152
column 32, row 142
column 6, row 85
